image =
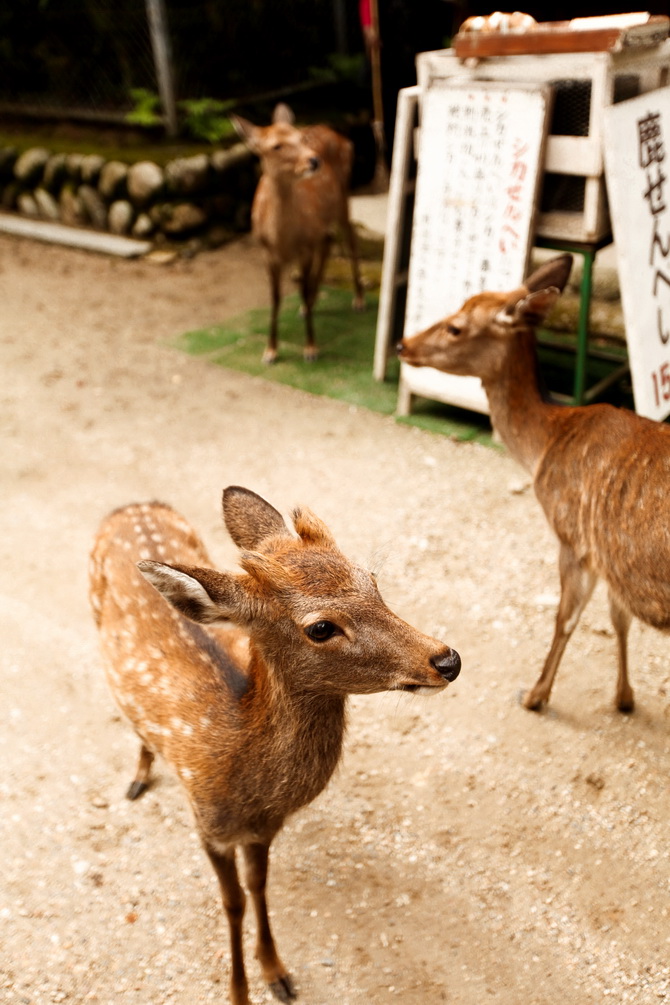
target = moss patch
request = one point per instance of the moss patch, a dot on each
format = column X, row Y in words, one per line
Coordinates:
column 344, row 369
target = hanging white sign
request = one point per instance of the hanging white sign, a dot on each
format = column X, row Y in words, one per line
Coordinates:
column 480, row 151
column 637, row 165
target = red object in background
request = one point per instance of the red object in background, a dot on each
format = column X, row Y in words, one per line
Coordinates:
column 365, row 13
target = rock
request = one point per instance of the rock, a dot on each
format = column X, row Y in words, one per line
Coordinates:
column 187, row 175
column 46, row 204
column 29, row 167
column 143, row 226
column 10, row 194
column 71, row 208
column 182, row 218
column 54, row 172
column 8, row 158
column 27, row 205
column 91, row 166
column 223, row 160
column 120, row 217
column 145, row 182
column 73, row 164
column 112, row 181
column 94, row 206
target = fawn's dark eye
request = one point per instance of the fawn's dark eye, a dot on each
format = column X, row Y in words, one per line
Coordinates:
column 277, row 146
column 453, row 330
column 321, row 631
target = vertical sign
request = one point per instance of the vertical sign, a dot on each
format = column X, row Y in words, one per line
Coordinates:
column 480, row 150
column 637, row 163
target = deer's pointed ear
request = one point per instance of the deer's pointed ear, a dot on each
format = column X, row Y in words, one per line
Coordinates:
column 311, row 529
column 250, row 519
column 533, row 308
column 246, row 131
column 202, row 595
column 553, row 273
column 283, row 113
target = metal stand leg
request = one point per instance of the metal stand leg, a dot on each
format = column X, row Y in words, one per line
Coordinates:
column 583, row 327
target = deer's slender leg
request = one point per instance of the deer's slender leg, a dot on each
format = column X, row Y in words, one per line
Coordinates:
column 234, row 900
column 274, row 271
column 352, row 244
column 274, row 971
column 140, row 782
column 311, row 274
column 577, row 585
column 621, row 620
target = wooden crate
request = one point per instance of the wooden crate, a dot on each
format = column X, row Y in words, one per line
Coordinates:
column 573, row 201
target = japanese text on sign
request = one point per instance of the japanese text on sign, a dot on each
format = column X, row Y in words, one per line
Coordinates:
column 479, row 157
column 637, row 132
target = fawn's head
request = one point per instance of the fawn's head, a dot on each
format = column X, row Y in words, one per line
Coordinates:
column 317, row 620
column 477, row 338
column 283, row 149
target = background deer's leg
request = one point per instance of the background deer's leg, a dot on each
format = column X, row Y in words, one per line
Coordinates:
column 351, row 241
column 140, row 783
column 621, row 619
column 274, row 971
column 577, row 585
column 311, row 274
column 274, row 270
column 234, row 899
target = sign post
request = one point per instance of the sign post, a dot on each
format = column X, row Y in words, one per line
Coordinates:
column 637, row 168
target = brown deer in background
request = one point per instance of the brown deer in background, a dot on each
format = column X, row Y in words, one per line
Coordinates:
column 301, row 200
column 602, row 474
column 251, row 715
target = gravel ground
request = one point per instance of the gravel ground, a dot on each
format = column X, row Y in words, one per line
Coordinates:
column 467, row 850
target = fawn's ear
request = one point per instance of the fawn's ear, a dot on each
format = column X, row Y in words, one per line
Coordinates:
column 246, row 131
column 250, row 519
column 533, row 308
column 283, row 113
column 311, row 529
column 202, row 595
column 553, row 273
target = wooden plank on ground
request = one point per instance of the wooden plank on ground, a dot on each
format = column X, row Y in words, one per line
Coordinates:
column 73, row 237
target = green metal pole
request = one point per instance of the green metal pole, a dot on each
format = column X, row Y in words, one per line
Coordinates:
column 583, row 327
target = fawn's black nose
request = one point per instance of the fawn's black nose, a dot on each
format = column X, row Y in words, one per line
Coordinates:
column 447, row 664
column 314, row 163
column 399, row 346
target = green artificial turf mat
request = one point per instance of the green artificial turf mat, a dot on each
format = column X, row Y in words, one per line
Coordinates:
column 344, row 368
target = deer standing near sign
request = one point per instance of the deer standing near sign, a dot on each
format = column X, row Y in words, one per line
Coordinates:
column 251, row 715
column 302, row 199
column 601, row 473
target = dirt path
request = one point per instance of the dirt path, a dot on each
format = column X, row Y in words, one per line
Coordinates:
column 467, row 851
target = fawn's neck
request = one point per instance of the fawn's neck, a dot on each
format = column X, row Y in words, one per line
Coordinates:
column 520, row 414
column 304, row 731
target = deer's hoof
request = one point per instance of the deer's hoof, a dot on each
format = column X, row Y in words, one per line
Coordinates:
column 530, row 702
column 269, row 357
column 284, row 989
column 310, row 354
column 136, row 789
column 358, row 304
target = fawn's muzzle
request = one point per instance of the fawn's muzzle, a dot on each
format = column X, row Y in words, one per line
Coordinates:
column 447, row 664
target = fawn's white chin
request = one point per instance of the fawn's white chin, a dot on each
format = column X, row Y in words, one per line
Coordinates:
column 423, row 688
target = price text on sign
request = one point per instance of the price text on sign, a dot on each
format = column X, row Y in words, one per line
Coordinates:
column 637, row 135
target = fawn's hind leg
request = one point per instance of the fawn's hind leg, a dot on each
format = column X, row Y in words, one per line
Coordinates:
column 140, row 782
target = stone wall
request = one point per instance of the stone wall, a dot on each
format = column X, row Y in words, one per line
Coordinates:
column 206, row 195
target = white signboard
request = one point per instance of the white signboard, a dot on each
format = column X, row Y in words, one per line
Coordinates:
column 480, row 150
column 637, row 163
